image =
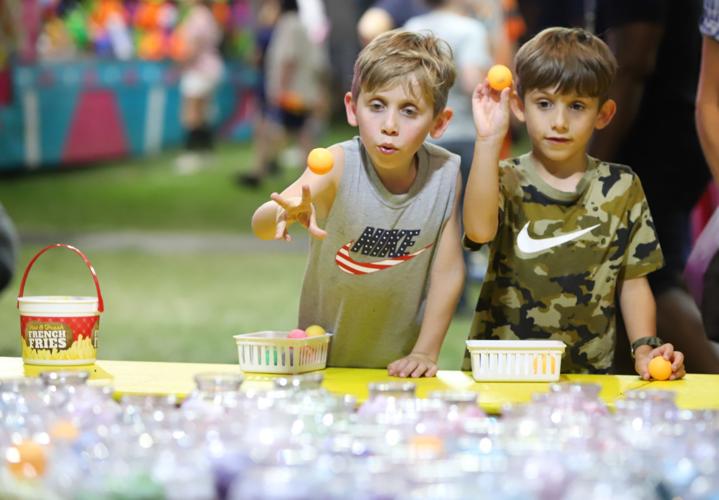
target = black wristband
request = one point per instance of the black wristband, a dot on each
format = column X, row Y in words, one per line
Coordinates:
column 650, row 341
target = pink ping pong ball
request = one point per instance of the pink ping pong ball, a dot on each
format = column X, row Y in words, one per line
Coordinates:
column 320, row 161
column 499, row 77
column 297, row 334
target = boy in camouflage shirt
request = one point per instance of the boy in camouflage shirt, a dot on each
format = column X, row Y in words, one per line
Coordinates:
column 568, row 233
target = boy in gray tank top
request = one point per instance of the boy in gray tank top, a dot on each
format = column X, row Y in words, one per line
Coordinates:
column 385, row 267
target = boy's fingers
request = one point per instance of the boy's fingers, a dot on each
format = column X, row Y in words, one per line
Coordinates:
column 280, row 229
column 678, row 360
column 303, row 218
column 409, row 367
column 399, row 367
column 504, row 95
column 420, row 370
column 315, row 230
column 393, row 368
column 306, row 196
column 279, row 200
column 667, row 351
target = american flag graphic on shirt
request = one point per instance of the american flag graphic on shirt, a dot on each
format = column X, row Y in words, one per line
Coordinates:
column 352, row 266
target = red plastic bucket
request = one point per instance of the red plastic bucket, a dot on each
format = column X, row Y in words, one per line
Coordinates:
column 58, row 329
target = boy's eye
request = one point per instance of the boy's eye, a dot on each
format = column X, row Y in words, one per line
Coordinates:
column 544, row 104
column 376, row 105
column 409, row 110
column 578, row 106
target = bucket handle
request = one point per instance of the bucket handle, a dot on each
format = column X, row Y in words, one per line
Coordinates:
column 100, row 302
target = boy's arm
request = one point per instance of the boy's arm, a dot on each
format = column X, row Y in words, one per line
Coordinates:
column 310, row 196
column 445, row 286
column 481, row 198
column 639, row 314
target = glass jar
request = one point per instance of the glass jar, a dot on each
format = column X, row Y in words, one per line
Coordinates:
column 215, row 393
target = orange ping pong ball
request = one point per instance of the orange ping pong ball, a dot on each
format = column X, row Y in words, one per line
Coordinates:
column 499, row 77
column 320, row 161
column 660, row 368
column 26, row 460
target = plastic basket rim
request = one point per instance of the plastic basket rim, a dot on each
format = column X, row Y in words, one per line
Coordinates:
column 515, row 344
column 278, row 337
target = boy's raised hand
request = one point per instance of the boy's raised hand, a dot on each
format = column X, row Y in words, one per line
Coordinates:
column 491, row 111
column 644, row 356
column 296, row 209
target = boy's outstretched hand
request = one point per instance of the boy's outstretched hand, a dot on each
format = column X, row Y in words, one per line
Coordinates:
column 413, row 365
column 296, row 209
column 644, row 355
column 491, row 111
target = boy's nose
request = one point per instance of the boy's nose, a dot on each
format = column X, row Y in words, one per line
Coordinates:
column 559, row 121
column 389, row 125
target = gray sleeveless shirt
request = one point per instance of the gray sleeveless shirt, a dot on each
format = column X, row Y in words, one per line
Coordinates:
column 367, row 280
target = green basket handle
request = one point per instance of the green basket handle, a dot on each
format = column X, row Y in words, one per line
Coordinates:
column 100, row 302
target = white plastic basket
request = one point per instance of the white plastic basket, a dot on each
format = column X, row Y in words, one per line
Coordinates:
column 516, row 360
column 273, row 352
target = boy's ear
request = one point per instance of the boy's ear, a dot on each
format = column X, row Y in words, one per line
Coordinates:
column 441, row 122
column 517, row 105
column 606, row 113
column 350, row 109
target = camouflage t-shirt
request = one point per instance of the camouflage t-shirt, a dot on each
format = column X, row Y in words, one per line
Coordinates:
column 558, row 257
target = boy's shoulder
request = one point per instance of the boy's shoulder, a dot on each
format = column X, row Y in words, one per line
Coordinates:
column 439, row 156
column 613, row 168
column 617, row 178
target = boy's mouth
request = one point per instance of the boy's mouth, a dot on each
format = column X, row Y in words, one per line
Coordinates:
column 387, row 149
column 558, row 140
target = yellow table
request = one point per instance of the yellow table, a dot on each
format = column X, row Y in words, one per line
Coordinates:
column 695, row 391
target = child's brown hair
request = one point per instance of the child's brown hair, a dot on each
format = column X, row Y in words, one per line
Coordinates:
column 394, row 56
column 568, row 59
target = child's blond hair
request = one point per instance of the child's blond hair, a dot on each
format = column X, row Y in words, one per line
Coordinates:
column 396, row 56
column 568, row 59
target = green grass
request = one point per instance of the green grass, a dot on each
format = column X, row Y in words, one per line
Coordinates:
column 143, row 194
column 178, row 307
column 171, row 306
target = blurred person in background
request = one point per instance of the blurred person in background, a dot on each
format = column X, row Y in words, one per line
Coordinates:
column 385, row 15
column 9, row 248
column 342, row 49
column 702, row 269
column 197, row 50
column 501, row 22
column 707, row 101
column 470, row 44
column 295, row 89
column 266, row 14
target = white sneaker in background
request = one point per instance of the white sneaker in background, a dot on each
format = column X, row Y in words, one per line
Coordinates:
column 188, row 163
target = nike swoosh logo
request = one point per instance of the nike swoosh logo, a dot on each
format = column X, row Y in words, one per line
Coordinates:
column 529, row 245
column 347, row 264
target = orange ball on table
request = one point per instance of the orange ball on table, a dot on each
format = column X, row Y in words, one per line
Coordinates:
column 660, row 368
column 499, row 77
column 26, row 460
column 320, row 161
